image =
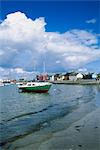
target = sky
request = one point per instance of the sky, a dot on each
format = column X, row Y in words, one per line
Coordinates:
column 63, row 34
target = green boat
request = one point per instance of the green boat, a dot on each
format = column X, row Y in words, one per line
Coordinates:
column 38, row 87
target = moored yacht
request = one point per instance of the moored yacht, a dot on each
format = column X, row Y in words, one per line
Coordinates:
column 38, row 87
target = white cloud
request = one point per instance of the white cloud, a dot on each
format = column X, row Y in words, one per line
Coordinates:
column 57, row 62
column 25, row 44
column 10, row 73
column 19, row 28
column 82, row 70
column 19, row 70
column 93, row 21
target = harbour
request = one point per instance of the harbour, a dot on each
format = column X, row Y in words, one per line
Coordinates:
column 49, row 75
column 34, row 118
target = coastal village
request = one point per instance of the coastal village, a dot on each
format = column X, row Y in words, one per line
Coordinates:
column 57, row 78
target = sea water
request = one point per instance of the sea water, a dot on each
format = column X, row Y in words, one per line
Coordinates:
column 25, row 113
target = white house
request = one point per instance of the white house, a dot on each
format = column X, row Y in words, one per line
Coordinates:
column 94, row 76
column 72, row 77
column 79, row 76
column 52, row 78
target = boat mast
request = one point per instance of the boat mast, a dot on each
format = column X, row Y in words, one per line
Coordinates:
column 34, row 67
column 44, row 67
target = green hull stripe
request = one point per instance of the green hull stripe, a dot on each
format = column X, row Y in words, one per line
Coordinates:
column 46, row 87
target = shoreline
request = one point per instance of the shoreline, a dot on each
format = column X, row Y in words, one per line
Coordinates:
column 82, row 132
column 78, row 82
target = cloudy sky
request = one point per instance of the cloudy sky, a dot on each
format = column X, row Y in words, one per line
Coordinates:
column 65, row 35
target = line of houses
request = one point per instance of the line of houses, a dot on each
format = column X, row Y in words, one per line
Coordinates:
column 73, row 76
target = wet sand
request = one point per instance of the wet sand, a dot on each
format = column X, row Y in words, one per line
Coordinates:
column 83, row 134
column 80, row 130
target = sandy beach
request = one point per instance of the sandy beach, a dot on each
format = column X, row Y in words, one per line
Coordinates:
column 80, row 130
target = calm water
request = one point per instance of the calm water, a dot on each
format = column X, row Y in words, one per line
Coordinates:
column 23, row 113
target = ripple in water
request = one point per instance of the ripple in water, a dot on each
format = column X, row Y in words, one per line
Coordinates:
column 23, row 113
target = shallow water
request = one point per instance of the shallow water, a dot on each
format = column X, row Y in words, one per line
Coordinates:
column 23, row 113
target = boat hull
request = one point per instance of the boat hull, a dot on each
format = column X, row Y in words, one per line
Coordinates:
column 37, row 89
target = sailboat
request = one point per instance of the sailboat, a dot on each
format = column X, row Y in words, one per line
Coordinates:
column 38, row 87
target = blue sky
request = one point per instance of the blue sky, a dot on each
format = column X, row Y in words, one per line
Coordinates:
column 64, row 34
column 60, row 15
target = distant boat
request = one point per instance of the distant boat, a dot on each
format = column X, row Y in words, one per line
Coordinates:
column 38, row 87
